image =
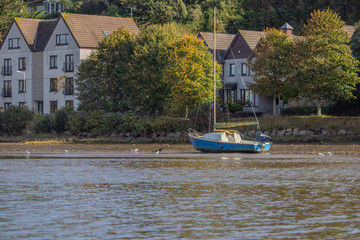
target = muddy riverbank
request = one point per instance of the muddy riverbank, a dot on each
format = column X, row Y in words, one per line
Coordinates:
column 59, row 147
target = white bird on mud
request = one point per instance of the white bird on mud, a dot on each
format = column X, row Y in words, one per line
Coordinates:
column 134, row 150
column 27, row 152
column 329, row 154
column 66, row 151
column 321, row 155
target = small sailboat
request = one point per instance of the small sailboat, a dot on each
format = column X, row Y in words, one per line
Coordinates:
column 224, row 140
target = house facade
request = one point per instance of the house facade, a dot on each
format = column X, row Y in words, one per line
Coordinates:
column 16, row 56
column 237, row 75
column 40, row 58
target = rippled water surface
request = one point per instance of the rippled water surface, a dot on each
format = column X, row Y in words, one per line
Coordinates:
column 172, row 197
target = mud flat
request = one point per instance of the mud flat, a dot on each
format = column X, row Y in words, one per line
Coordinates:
column 281, row 149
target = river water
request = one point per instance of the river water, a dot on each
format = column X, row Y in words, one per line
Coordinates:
column 194, row 196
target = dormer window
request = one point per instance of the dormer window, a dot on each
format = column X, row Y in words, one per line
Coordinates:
column 106, row 33
column 14, row 43
column 62, row 39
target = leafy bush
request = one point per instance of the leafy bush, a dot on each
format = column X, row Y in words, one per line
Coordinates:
column 134, row 124
column 1, row 122
column 15, row 119
column 236, row 106
column 76, row 122
column 44, row 124
column 109, row 124
column 201, row 118
column 94, row 119
column 298, row 111
column 169, row 124
column 60, row 120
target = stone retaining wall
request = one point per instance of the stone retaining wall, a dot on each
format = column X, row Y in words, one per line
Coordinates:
column 302, row 132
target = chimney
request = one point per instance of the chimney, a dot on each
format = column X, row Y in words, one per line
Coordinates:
column 287, row 29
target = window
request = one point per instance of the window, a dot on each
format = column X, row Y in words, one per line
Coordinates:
column 22, row 104
column 62, row 39
column 53, row 84
column 40, row 107
column 69, row 86
column 53, row 106
column 69, row 103
column 53, row 61
column 22, row 86
column 69, row 63
column 7, row 70
column 7, row 105
column 6, row 92
column 14, row 43
column 247, row 96
column 243, row 69
column 232, row 69
column 22, row 64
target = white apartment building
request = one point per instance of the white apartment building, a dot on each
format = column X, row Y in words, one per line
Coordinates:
column 40, row 58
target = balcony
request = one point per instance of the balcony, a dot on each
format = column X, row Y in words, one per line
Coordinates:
column 6, row 92
column 6, row 70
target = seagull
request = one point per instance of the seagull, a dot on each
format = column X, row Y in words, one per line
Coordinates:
column 134, row 150
column 27, row 152
column 157, row 151
column 66, row 151
column 321, row 155
column 329, row 154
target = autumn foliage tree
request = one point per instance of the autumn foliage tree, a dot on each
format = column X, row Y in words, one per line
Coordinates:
column 162, row 71
column 189, row 75
column 271, row 65
column 326, row 70
column 103, row 78
column 148, row 62
column 317, row 66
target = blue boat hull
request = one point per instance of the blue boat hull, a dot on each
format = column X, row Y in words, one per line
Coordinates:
column 227, row 147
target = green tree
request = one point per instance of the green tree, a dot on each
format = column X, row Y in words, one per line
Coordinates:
column 271, row 65
column 9, row 10
column 149, row 61
column 326, row 69
column 15, row 119
column 189, row 75
column 103, row 79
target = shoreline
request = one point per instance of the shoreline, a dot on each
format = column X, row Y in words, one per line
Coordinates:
column 60, row 147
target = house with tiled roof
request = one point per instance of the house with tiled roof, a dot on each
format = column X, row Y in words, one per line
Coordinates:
column 222, row 43
column 16, row 56
column 40, row 58
column 72, row 40
column 237, row 75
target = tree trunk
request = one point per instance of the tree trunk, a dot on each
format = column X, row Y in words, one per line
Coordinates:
column 318, row 108
column 274, row 105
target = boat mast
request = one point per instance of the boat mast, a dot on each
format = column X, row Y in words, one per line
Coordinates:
column 214, row 68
